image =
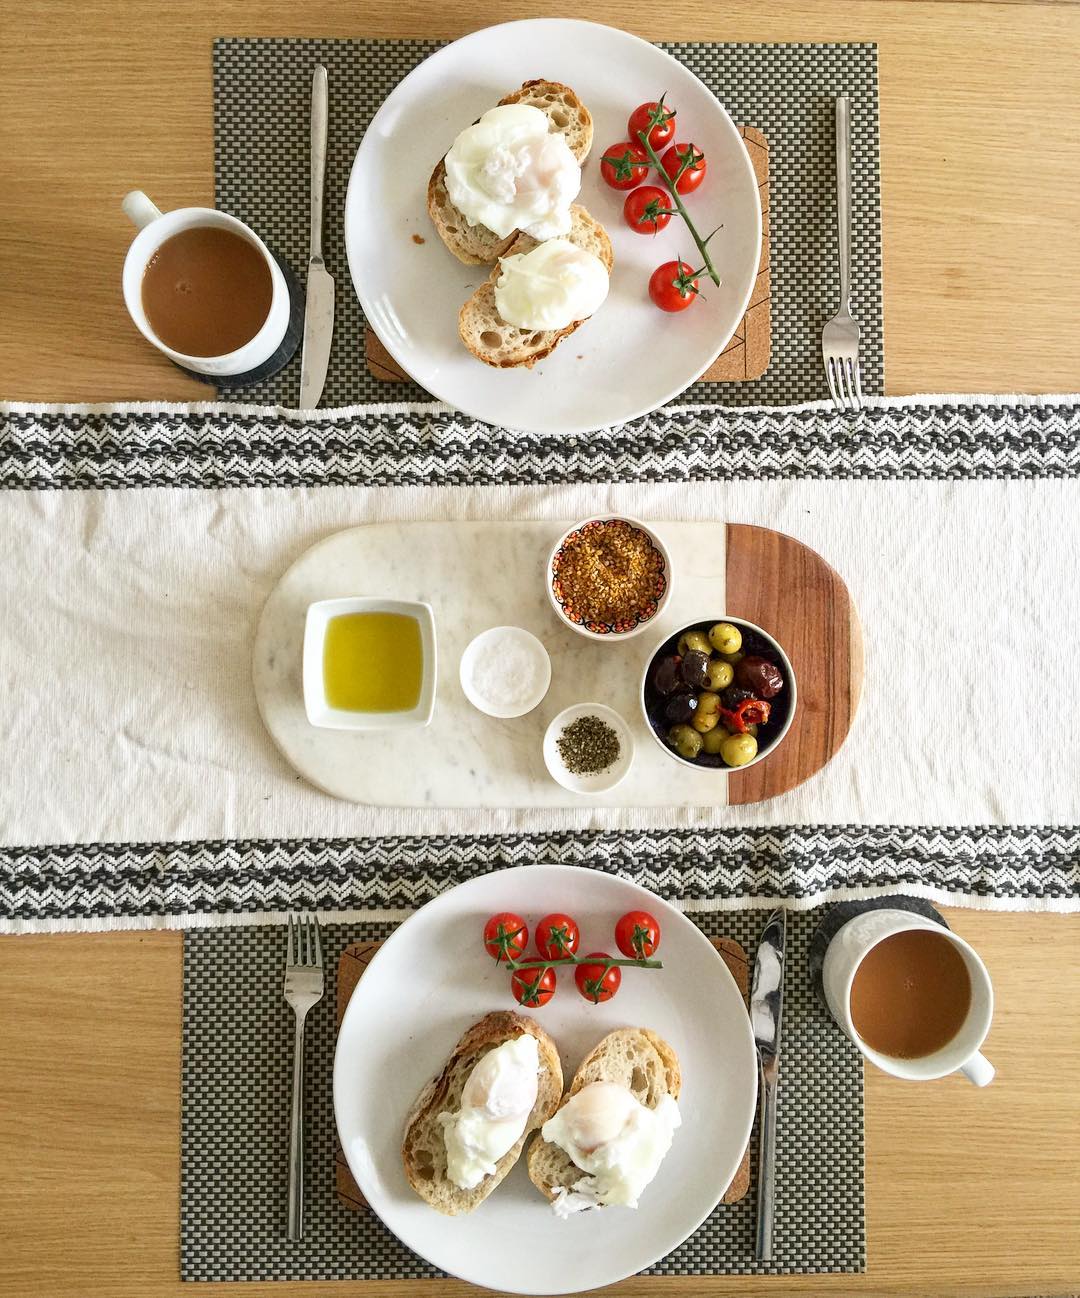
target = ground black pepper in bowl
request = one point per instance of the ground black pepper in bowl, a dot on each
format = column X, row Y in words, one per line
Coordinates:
column 588, row 746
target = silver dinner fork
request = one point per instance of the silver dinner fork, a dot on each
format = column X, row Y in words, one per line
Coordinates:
column 840, row 337
column 303, row 989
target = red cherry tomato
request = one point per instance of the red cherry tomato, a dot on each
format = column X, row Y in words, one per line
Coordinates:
column 688, row 163
column 673, row 286
column 505, row 936
column 557, row 935
column 533, row 987
column 624, row 165
column 648, row 209
column 596, row 982
column 637, row 934
column 656, row 121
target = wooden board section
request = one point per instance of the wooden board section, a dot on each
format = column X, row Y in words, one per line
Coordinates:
column 745, row 357
column 354, row 961
column 790, row 591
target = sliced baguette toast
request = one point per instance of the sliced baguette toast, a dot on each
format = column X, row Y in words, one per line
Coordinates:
column 423, row 1149
column 488, row 336
column 476, row 245
column 633, row 1057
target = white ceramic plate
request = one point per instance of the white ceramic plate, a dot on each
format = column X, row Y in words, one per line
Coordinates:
column 630, row 358
column 432, row 979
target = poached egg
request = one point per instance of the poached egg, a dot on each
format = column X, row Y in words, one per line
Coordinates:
column 509, row 172
column 551, row 286
column 613, row 1138
column 496, row 1101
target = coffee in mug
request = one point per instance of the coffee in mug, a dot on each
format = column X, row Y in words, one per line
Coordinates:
column 204, row 288
column 915, row 998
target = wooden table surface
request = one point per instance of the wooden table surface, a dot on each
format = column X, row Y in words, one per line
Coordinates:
column 967, row 1191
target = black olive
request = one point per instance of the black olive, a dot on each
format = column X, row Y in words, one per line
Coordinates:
column 695, row 669
column 762, row 677
column 680, row 709
column 666, row 678
column 733, row 696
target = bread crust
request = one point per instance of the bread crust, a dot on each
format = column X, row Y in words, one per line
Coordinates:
column 423, row 1147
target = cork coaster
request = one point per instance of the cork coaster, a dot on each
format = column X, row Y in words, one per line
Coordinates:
column 354, row 961
column 746, row 356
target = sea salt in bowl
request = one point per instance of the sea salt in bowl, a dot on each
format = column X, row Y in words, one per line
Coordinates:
column 505, row 672
column 635, row 616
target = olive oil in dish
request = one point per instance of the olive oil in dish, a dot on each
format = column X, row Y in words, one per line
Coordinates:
column 373, row 662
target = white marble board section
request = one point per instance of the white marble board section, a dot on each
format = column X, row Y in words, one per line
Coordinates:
column 475, row 576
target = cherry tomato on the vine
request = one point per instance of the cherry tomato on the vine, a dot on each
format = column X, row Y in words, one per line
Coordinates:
column 533, row 987
column 656, row 121
column 557, row 935
column 596, row 982
column 673, row 286
column 637, row 934
column 625, row 165
column 505, row 936
column 648, row 209
column 688, row 163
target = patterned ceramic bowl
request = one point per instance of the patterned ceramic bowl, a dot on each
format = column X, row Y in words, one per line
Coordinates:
column 580, row 581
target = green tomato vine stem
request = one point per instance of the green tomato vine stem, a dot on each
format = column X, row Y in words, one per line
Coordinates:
column 654, row 158
column 609, row 963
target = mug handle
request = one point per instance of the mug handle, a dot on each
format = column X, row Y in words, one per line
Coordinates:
column 139, row 209
column 978, row 1070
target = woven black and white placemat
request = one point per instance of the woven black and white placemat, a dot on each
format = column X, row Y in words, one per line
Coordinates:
column 237, row 1035
column 262, row 89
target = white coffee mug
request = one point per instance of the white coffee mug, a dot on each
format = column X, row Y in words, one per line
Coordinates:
column 846, row 952
column 155, row 227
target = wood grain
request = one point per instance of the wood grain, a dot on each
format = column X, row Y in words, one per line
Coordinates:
column 351, row 967
column 968, row 1192
column 790, row 591
column 747, row 354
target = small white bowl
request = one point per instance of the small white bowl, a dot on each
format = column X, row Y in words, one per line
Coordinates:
column 319, row 712
column 610, row 636
column 604, row 780
column 789, row 680
column 486, row 642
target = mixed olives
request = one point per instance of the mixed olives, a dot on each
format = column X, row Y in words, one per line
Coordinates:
column 716, row 694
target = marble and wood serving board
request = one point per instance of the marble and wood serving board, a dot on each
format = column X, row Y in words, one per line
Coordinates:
column 353, row 963
column 485, row 574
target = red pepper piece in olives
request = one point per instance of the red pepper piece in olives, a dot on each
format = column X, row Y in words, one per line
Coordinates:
column 761, row 677
column 666, row 678
column 680, row 709
column 695, row 669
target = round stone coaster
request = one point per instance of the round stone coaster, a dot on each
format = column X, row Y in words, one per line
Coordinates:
column 285, row 352
column 837, row 916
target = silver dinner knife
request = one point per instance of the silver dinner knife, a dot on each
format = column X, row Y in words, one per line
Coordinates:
column 319, row 309
column 766, row 1009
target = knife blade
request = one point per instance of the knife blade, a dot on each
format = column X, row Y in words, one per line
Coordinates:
column 319, row 305
column 766, row 1016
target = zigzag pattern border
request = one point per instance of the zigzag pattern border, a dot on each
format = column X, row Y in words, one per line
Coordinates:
column 429, row 445
column 801, row 864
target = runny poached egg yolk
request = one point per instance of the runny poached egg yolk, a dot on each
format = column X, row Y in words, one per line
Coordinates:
column 496, row 1101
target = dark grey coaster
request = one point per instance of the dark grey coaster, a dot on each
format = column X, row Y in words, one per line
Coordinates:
column 261, row 93
column 285, row 352
column 237, row 1034
column 835, row 917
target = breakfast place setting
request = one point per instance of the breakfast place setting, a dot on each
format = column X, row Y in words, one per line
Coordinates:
column 538, row 735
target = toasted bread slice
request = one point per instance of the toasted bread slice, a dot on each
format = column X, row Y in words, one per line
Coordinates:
column 488, row 336
column 633, row 1057
column 476, row 245
column 423, row 1149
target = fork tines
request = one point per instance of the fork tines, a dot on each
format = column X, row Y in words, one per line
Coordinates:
column 845, row 382
column 305, row 942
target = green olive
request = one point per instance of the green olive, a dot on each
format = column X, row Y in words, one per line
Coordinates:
column 737, row 750
column 752, row 728
column 708, row 712
column 734, row 658
column 694, row 640
column 712, row 740
column 725, row 638
column 685, row 740
column 719, row 674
